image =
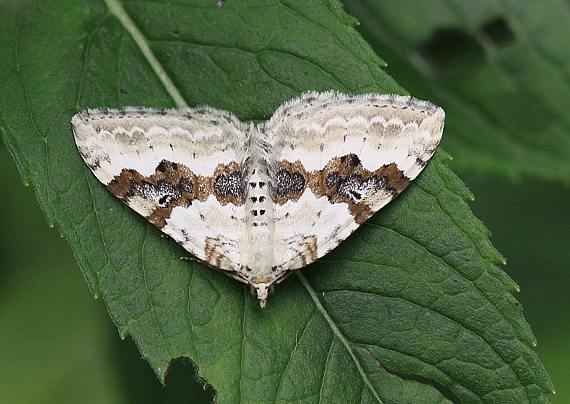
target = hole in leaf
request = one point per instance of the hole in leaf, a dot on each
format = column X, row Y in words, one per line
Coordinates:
column 453, row 54
column 498, row 32
column 140, row 384
column 182, row 381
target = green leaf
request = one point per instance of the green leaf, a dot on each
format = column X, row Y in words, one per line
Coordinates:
column 411, row 308
column 498, row 69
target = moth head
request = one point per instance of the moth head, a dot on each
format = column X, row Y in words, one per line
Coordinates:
column 262, row 291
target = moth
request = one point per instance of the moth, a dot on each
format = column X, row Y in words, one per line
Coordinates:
column 259, row 201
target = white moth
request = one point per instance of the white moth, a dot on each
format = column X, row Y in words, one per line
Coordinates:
column 260, row 201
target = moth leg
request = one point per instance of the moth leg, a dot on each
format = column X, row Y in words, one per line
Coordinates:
column 192, row 259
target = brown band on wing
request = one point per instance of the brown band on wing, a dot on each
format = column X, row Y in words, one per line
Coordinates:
column 228, row 184
column 342, row 180
column 289, row 181
column 174, row 184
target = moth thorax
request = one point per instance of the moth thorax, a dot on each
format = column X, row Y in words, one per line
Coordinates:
column 259, row 224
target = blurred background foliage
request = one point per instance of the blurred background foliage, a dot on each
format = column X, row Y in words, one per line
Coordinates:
column 499, row 69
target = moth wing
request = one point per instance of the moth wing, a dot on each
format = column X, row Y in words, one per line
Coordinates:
column 180, row 169
column 337, row 159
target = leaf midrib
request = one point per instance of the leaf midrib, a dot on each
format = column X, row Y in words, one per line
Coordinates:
column 337, row 333
column 117, row 9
